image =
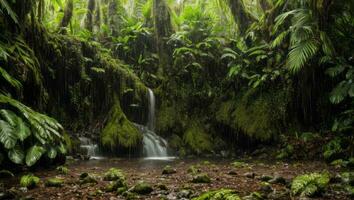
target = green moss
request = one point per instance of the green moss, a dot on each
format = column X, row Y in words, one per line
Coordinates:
column 258, row 114
column 197, row 138
column 222, row 194
column 29, row 181
column 119, row 131
column 54, row 182
column 62, row 170
column 113, row 174
column 169, row 117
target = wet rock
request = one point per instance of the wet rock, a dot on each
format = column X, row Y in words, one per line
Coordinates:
column 232, row 173
column 129, row 195
column 162, row 186
column 142, row 188
column 278, row 180
column 265, row 178
column 249, row 174
column 279, row 195
column 185, row 193
column 238, row 164
column 168, row 170
column 115, row 185
column 193, row 170
column 54, row 182
column 83, row 175
column 88, row 179
column 265, row 188
column 121, row 190
column 201, row 178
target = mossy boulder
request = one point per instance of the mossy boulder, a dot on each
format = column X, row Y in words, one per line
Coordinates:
column 169, row 170
column 88, row 180
column 62, row 170
column 142, row 188
column 119, row 132
column 201, row 178
column 239, row 164
column 29, row 181
column 258, row 114
column 309, row 185
column 54, row 182
column 197, row 139
column 114, row 174
column 193, row 170
column 222, row 194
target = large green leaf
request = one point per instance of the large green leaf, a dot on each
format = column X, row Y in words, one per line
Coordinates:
column 34, row 154
column 16, row 155
column 21, row 129
column 7, row 135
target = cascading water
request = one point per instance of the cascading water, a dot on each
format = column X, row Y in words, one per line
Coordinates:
column 89, row 148
column 154, row 145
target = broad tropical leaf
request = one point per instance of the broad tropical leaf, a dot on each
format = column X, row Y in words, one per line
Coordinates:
column 16, row 155
column 7, row 136
column 34, row 154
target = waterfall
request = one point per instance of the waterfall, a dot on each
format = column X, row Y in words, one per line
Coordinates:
column 89, row 148
column 154, row 145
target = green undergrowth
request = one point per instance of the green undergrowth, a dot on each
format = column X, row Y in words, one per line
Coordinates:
column 222, row 194
column 197, row 138
column 259, row 115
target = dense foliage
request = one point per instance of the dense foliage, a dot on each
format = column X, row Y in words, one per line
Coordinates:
column 224, row 71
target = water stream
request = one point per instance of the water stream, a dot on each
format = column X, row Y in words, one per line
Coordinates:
column 89, row 148
column 155, row 147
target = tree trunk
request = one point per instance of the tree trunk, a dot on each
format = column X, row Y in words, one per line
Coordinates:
column 163, row 29
column 241, row 17
column 89, row 15
column 68, row 13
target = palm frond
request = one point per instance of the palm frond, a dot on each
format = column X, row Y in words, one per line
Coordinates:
column 301, row 53
column 5, row 5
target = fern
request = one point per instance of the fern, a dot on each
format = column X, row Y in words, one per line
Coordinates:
column 309, row 185
column 9, row 79
column 301, row 53
column 5, row 5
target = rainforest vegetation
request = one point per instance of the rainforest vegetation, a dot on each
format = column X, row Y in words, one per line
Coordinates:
column 234, row 99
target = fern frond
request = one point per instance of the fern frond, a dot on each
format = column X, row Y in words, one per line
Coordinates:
column 9, row 79
column 301, row 53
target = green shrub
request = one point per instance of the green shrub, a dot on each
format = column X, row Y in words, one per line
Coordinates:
column 29, row 181
column 310, row 184
column 27, row 135
column 222, row 194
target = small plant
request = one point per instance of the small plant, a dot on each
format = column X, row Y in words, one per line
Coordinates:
column 63, row 170
column 309, row 185
column 29, row 181
column 113, row 174
column 219, row 194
